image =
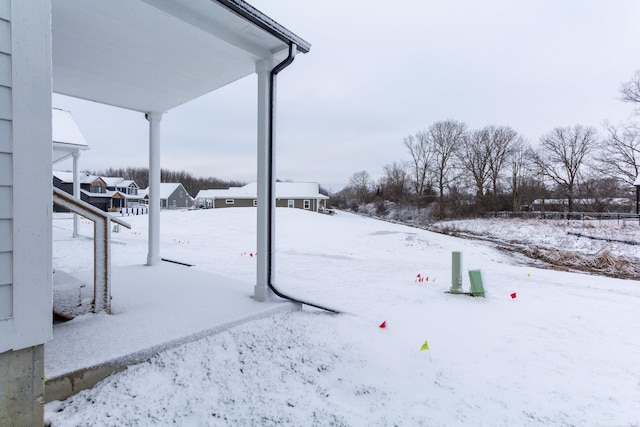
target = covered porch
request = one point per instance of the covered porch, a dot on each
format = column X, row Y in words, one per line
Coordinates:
column 152, row 56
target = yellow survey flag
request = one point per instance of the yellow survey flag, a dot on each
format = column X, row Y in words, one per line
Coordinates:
column 425, row 346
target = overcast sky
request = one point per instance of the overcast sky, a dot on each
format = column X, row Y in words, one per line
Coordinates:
column 380, row 71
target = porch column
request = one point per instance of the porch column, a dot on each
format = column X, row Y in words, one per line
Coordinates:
column 153, row 257
column 266, row 183
column 76, row 189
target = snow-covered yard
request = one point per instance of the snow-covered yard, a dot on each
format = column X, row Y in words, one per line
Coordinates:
column 564, row 351
column 610, row 247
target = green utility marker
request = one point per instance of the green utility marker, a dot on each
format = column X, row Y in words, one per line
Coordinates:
column 477, row 288
column 456, row 273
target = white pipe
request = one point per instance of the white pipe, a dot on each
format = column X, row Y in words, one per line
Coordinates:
column 153, row 256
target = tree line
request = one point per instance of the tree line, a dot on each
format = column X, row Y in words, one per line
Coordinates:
column 455, row 171
column 191, row 183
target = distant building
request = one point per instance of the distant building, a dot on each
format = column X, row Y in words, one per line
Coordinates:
column 172, row 196
column 106, row 193
column 606, row 204
column 299, row 195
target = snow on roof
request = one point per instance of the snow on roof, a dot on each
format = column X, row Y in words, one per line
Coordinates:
column 166, row 189
column 112, row 181
column 210, row 194
column 107, row 195
column 85, row 178
column 65, row 130
column 67, row 177
column 284, row 190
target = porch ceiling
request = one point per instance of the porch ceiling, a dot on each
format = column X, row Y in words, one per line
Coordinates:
column 153, row 55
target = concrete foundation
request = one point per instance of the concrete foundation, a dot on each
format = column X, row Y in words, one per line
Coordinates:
column 22, row 387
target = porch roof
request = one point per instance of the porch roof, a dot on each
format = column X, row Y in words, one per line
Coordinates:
column 153, row 55
column 66, row 136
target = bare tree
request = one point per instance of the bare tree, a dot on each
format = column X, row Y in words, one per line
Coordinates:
column 445, row 138
column 360, row 183
column 422, row 156
column 520, row 171
column 395, row 182
column 563, row 152
column 601, row 193
column 474, row 158
column 501, row 140
column 620, row 154
column 630, row 90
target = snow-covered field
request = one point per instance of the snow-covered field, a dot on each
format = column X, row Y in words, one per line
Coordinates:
column 610, row 247
column 564, row 351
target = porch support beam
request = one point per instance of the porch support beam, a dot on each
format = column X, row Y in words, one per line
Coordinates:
column 76, row 188
column 266, row 183
column 153, row 256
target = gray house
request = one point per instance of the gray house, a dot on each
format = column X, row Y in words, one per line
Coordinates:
column 172, row 196
column 299, row 195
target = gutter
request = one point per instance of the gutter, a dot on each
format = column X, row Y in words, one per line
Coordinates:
column 270, row 212
column 259, row 19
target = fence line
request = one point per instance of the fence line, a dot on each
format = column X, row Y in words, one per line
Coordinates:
column 583, row 216
column 139, row 210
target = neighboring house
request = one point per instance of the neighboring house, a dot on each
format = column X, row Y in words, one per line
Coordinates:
column 299, row 195
column 172, row 196
column 105, row 193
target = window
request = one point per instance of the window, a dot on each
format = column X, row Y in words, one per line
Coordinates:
column 307, row 204
column 291, row 203
column 174, row 203
column 229, row 201
column 97, row 189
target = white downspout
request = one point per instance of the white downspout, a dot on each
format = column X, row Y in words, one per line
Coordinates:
column 153, row 256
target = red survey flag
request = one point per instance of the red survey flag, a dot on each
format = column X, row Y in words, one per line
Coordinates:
column 513, row 295
column 383, row 324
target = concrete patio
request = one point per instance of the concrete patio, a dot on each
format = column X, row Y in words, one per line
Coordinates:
column 154, row 309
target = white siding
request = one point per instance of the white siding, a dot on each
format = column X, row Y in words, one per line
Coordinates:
column 5, row 10
column 5, row 232
column 5, row 268
column 5, row 36
column 6, row 297
column 5, row 103
column 5, row 136
column 6, row 168
column 6, row 176
column 5, row 202
column 5, row 69
column 6, row 307
column 25, row 168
